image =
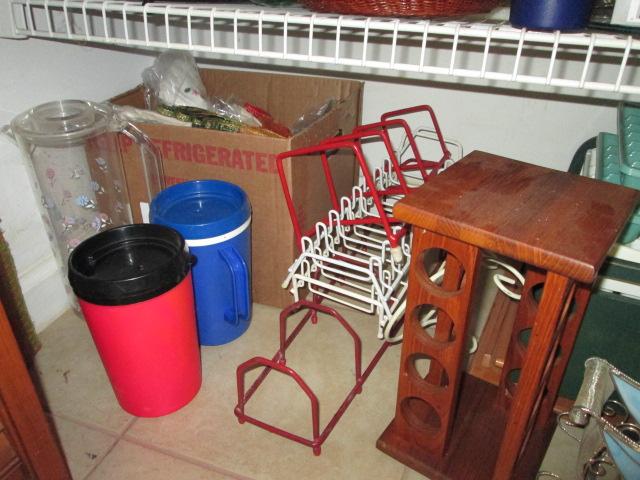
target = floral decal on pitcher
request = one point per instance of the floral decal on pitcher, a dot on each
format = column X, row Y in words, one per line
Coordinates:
column 68, row 223
column 76, row 173
column 102, row 164
column 95, row 186
column 85, row 202
column 119, row 207
column 73, row 243
column 51, row 176
column 47, row 202
column 100, row 221
column 66, row 196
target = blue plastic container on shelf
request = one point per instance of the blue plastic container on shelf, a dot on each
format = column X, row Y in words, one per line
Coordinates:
column 214, row 217
column 629, row 138
column 608, row 158
column 610, row 168
column 550, row 14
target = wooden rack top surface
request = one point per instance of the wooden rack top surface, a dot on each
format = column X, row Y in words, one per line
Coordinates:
column 554, row 220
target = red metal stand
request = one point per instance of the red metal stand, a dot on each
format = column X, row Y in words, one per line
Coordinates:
column 379, row 189
column 324, row 150
column 427, row 168
column 278, row 362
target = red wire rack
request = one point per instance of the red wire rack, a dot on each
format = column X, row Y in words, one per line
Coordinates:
column 278, row 362
column 351, row 142
column 426, row 168
column 377, row 192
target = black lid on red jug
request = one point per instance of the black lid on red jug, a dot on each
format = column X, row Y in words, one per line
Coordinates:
column 128, row 264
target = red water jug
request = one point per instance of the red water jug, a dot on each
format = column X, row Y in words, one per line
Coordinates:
column 134, row 287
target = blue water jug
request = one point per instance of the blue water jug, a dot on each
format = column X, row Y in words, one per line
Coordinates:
column 550, row 14
column 214, row 217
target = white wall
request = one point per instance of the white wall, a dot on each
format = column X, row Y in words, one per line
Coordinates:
column 538, row 129
column 33, row 72
column 535, row 128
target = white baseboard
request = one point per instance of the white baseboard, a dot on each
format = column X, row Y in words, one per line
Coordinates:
column 45, row 295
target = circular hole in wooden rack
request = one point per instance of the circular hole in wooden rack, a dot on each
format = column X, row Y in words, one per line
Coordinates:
column 420, row 414
column 536, row 294
column 435, row 323
column 421, row 365
column 512, row 380
column 523, row 336
column 433, row 267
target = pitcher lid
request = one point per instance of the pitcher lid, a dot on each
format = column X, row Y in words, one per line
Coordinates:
column 201, row 209
column 128, row 264
column 62, row 123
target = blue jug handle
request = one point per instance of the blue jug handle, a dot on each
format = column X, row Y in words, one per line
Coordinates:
column 241, row 287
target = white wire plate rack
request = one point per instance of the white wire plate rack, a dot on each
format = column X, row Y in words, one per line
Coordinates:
column 353, row 264
column 486, row 52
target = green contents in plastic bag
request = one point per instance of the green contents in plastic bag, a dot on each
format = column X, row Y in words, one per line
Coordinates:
column 200, row 118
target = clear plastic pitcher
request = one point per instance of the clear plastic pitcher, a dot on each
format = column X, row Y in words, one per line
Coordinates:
column 75, row 147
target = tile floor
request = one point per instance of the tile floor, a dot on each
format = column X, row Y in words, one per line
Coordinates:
column 204, row 440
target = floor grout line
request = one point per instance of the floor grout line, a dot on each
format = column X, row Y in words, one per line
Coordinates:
column 110, row 449
column 101, row 459
column 128, row 427
column 93, row 426
column 185, row 458
column 98, row 458
column 116, row 436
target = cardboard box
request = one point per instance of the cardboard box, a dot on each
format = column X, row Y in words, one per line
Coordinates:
column 249, row 161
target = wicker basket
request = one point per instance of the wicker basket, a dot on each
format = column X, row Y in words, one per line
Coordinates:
column 401, row 8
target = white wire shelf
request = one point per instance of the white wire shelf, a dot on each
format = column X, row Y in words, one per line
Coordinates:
column 487, row 52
